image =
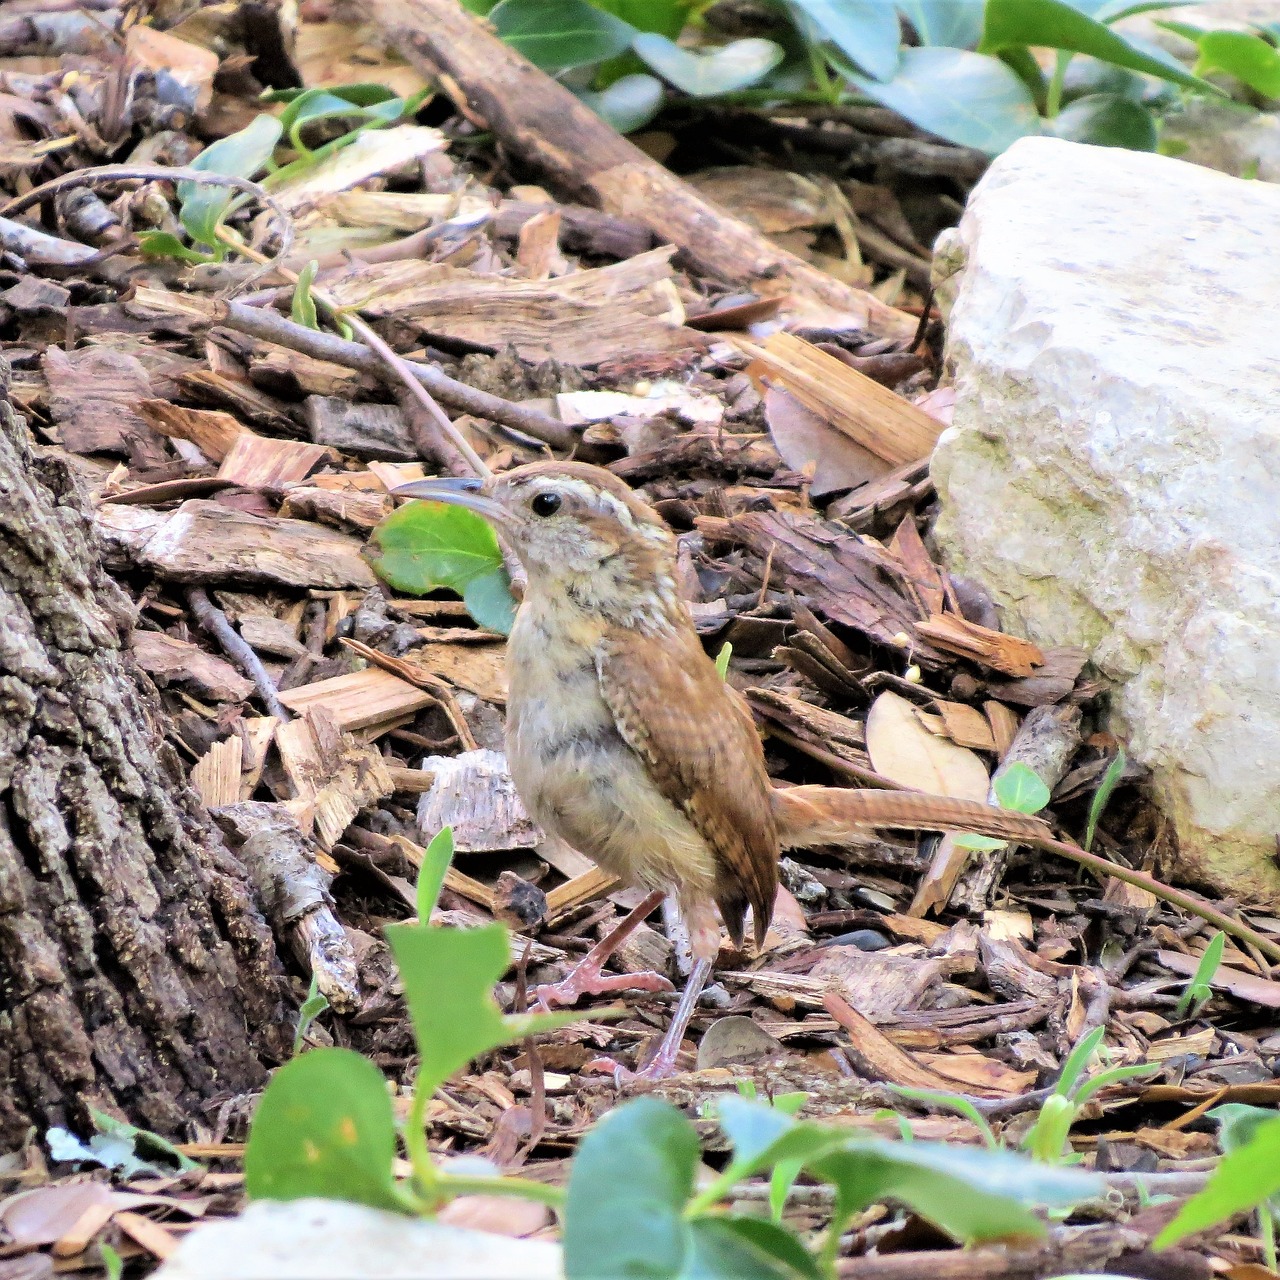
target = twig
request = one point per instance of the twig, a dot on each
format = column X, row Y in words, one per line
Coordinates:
column 162, row 173
column 214, row 621
column 270, row 326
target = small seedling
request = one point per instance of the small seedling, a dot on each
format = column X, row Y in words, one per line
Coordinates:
column 1199, row 990
column 1101, row 797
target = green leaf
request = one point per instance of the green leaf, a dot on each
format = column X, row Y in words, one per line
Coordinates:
column 1198, row 989
column 762, row 1136
column 364, row 104
column 667, row 17
column 1058, row 25
column 1107, row 120
column 240, row 155
column 427, row 545
column 627, row 1190
column 722, row 659
column 312, row 1007
column 164, row 244
column 967, row 840
column 1110, row 780
column 448, row 977
column 1238, row 1122
column 557, row 34
column 866, row 31
column 629, row 103
column 112, row 1262
column 972, row 1194
column 1020, row 788
column 966, row 98
column 435, row 866
column 324, row 1127
column 1247, row 1177
column 746, row 1249
column 1247, row 57
column 707, row 75
column 302, row 310
column 953, row 1102
column 1077, row 1061
column 955, row 24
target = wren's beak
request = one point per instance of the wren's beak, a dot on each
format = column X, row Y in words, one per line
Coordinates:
column 457, row 491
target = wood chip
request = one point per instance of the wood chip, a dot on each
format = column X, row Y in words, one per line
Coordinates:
column 361, row 700
column 1007, row 654
column 210, row 430
column 474, row 794
column 154, row 1238
column 891, row 428
column 168, row 660
column 216, row 775
column 260, row 462
column 966, row 726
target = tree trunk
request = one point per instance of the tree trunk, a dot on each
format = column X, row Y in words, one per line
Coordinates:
column 137, row 975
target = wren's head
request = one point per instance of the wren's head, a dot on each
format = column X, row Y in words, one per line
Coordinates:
column 577, row 530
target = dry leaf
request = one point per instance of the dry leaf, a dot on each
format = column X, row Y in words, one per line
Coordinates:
column 902, row 749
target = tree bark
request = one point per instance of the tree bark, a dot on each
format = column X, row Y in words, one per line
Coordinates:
column 137, row 975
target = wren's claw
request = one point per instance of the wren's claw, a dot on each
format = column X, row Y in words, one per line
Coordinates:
column 662, row 1066
column 588, row 980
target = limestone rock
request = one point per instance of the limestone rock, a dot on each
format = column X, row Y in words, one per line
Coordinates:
column 1113, row 472
column 332, row 1240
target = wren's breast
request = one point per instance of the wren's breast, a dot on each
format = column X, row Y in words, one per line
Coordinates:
column 577, row 776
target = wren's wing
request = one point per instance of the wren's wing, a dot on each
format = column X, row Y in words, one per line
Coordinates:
column 700, row 746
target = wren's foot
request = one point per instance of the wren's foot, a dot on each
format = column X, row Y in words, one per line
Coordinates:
column 662, row 1066
column 587, row 980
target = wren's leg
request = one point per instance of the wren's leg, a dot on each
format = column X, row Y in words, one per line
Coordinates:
column 663, row 1063
column 587, row 978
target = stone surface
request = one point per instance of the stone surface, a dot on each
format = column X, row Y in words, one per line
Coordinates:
column 331, row 1240
column 1113, row 472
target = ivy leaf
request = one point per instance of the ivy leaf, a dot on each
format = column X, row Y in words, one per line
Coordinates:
column 239, row 155
column 557, row 34
column 627, row 1190
column 1058, row 25
column 954, row 24
column 866, row 31
column 324, row 1127
column 742, row 1248
column 1021, row 789
column 967, row 98
column 629, row 103
column 1247, row 57
column 708, row 75
column 427, row 545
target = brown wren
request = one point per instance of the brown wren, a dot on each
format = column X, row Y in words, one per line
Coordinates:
column 624, row 740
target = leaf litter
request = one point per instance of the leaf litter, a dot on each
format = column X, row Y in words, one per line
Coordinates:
column 244, row 460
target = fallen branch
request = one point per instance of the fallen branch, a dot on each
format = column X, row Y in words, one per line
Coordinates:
column 270, row 326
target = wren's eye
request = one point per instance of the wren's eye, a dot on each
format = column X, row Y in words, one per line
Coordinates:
column 545, row 504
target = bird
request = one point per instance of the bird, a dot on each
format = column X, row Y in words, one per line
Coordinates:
column 624, row 740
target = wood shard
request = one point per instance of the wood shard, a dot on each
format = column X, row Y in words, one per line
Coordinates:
column 168, row 660
column 216, row 775
column 262, row 462
column 210, row 430
column 859, row 407
column 583, row 318
column 1010, row 655
column 206, row 542
column 473, row 793
column 360, row 700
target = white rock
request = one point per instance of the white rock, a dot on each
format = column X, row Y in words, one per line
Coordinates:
column 331, row 1240
column 1113, row 474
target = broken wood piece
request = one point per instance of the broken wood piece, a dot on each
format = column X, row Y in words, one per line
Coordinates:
column 210, row 430
column 1010, row 655
column 216, row 775
column 965, row 725
column 264, row 462
column 878, row 419
column 359, row 700
column 876, row 1057
column 168, row 660
column 332, row 775
column 295, row 892
column 474, row 794
column 577, row 892
column 584, row 318
column 365, row 431
column 205, row 542
column 547, row 126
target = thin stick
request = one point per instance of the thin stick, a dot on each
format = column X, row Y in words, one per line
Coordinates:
column 214, row 621
column 393, row 360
